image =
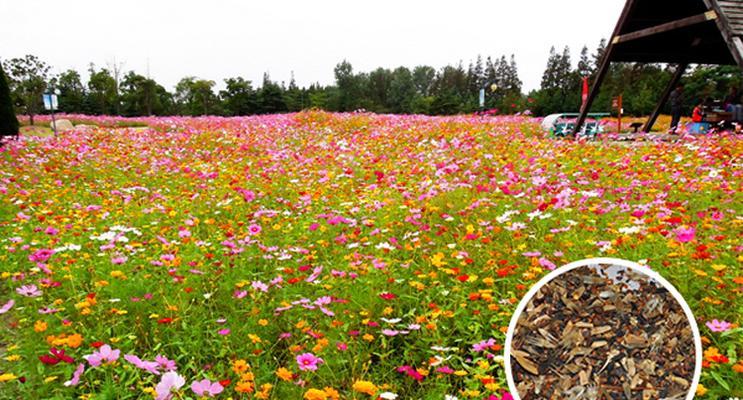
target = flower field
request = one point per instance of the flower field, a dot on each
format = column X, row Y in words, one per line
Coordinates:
column 336, row 256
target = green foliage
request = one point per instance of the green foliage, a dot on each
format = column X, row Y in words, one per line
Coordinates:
column 8, row 120
column 271, row 97
column 28, row 81
column 422, row 89
column 195, row 96
column 239, row 97
column 102, row 96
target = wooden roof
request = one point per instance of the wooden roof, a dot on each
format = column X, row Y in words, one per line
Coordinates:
column 680, row 31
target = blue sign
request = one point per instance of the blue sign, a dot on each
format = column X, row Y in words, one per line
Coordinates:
column 50, row 101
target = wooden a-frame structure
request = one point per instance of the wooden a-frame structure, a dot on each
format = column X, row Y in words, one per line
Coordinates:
column 679, row 32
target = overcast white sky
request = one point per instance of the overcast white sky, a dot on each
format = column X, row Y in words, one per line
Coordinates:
column 218, row 39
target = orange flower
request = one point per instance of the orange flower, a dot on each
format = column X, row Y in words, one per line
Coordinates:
column 40, row 326
column 74, row 340
column 315, row 394
column 365, row 387
column 284, row 374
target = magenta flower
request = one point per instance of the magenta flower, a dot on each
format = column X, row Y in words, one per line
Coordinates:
column 206, row 388
column 718, row 326
column 224, row 332
column 685, row 235
column 29, row 291
column 104, row 355
column 118, row 260
column 169, row 383
column 164, row 363
column 308, row 362
column 254, row 229
column 76, row 375
column 149, row 366
column 547, row 264
column 41, row 255
column 483, row 345
column 7, row 306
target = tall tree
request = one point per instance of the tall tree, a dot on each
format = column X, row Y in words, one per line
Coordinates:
column 271, row 97
column 28, row 80
column 238, row 97
column 141, row 96
column 401, row 91
column 101, row 91
column 8, row 120
column 71, row 91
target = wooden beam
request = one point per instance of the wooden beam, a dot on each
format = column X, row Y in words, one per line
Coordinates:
column 603, row 69
column 735, row 46
column 664, row 98
column 669, row 26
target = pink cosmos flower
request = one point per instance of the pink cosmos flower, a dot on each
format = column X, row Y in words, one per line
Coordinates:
column 29, row 291
column 164, row 363
column 718, row 326
column 7, row 306
column 41, row 255
column 483, row 345
column 76, row 375
column 224, row 332
column 51, row 231
column 149, row 366
column 118, row 260
column 206, row 388
column 308, row 362
column 685, row 235
column 104, row 354
column 254, row 229
column 547, row 264
column 169, row 383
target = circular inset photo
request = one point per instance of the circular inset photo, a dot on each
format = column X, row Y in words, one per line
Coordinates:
column 603, row 328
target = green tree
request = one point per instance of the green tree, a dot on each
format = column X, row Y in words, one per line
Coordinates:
column 71, row 91
column 196, row 97
column 239, row 97
column 349, row 90
column 102, row 92
column 142, row 96
column 28, row 81
column 8, row 120
column 401, row 91
column 271, row 97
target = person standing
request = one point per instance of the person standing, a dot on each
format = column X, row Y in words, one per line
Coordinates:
column 677, row 102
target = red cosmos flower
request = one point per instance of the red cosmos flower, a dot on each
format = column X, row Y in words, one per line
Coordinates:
column 55, row 356
column 387, row 296
column 463, row 278
column 164, row 321
column 96, row 345
column 225, row 382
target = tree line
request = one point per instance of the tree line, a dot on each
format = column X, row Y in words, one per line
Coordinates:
column 452, row 89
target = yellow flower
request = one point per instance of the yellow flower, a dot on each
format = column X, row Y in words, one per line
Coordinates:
column 438, row 259
column 315, row 394
column 284, row 374
column 365, row 387
column 7, row 377
column 332, row 393
column 240, row 366
column 263, row 322
column 701, row 390
column 40, row 326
